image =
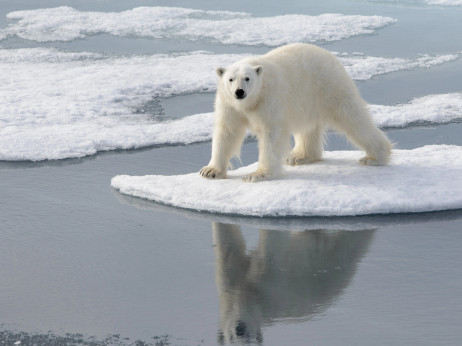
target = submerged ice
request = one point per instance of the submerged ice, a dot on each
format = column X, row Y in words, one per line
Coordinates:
column 419, row 180
column 57, row 105
column 66, row 24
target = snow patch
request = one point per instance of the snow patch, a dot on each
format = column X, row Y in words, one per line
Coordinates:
column 419, row 180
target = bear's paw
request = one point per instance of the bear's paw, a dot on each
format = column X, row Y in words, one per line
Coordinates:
column 296, row 159
column 255, row 177
column 368, row 161
column 210, row 172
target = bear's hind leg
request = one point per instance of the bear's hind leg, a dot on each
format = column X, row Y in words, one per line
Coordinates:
column 308, row 147
column 376, row 145
column 360, row 129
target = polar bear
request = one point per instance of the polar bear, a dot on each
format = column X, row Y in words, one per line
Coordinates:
column 297, row 89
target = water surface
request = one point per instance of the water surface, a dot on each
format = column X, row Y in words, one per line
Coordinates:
column 82, row 264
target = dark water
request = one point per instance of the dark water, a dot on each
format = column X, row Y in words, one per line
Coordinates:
column 78, row 257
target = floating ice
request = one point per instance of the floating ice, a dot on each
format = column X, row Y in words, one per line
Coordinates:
column 419, row 180
column 297, row 223
column 428, row 109
column 365, row 67
column 66, row 23
column 56, row 105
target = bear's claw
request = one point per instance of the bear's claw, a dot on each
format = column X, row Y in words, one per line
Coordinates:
column 211, row 173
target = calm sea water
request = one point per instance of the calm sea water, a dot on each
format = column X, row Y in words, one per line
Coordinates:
column 82, row 264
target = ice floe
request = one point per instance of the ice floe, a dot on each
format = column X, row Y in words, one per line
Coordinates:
column 418, row 180
column 366, row 67
column 297, row 223
column 56, row 105
column 441, row 108
column 66, row 23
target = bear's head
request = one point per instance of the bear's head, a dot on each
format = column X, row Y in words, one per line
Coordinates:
column 240, row 83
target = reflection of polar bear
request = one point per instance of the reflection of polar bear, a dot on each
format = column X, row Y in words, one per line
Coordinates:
column 298, row 89
column 289, row 275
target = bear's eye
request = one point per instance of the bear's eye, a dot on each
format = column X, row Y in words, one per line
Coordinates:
column 230, row 79
column 247, row 79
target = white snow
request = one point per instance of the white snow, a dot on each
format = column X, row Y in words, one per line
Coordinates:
column 419, row 180
column 56, row 105
column 66, row 23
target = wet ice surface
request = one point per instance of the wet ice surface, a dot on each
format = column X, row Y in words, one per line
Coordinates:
column 84, row 264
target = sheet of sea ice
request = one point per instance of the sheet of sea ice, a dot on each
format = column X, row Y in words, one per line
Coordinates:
column 66, row 24
column 442, row 108
column 419, row 180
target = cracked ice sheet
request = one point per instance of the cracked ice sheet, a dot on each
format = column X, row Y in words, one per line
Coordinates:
column 419, row 180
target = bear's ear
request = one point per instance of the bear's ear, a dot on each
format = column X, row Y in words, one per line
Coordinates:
column 220, row 71
column 259, row 69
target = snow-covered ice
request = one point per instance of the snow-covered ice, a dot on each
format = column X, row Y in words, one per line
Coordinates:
column 441, row 108
column 56, row 104
column 295, row 223
column 366, row 67
column 419, row 180
column 66, row 24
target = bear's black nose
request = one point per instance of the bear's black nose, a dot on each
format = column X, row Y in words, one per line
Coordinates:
column 240, row 93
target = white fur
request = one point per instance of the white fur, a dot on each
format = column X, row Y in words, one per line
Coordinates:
column 298, row 90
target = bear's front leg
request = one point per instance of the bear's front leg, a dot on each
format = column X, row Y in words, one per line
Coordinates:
column 226, row 142
column 272, row 145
